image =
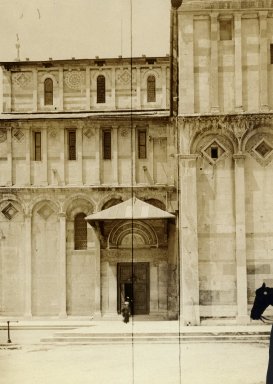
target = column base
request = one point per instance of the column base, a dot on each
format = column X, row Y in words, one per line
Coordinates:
column 242, row 319
column 97, row 315
column 28, row 316
column 111, row 316
column 190, row 315
column 264, row 108
column 215, row 110
column 63, row 315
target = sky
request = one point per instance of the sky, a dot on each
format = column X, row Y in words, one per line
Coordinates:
column 61, row 29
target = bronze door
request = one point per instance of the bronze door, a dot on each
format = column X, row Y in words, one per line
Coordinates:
column 133, row 282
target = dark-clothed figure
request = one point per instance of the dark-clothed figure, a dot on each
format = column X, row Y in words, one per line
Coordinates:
column 264, row 298
column 126, row 311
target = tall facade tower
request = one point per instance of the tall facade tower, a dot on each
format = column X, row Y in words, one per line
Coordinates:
column 225, row 155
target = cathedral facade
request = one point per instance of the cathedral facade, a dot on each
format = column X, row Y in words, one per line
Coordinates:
column 142, row 178
column 79, row 137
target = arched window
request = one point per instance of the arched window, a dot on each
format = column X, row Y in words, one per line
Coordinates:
column 80, row 231
column 151, row 89
column 48, row 91
column 100, row 89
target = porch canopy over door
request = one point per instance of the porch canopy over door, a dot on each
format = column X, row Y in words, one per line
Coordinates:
column 130, row 209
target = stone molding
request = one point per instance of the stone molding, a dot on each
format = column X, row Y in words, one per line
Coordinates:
column 225, row 5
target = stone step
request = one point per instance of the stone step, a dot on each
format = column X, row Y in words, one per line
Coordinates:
column 110, row 338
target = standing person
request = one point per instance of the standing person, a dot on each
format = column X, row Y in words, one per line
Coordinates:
column 126, row 310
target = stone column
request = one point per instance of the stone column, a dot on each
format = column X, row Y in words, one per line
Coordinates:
column 163, row 286
column 214, row 96
column 186, row 64
column 97, row 170
column 115, row 155
column 98, row 281
column 62, row 265
column 79, row 134
column 35, row 89
column 154, row 299
column 9, row 156
column 164, row 87
column 133, row 164
column 189, row 277
column 44, row 156
column 112, row 293
column 104, row 287
column 61, row 89
column 8, row 90
column 62, row 155
column 240, row 250
column 263, row 62
column 113, row 89
column 28, row 270
column 238, row 77
column 27, row 178
column 88, row 85
column 138, row 94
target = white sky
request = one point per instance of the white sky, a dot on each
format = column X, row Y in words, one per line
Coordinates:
column 83, row 28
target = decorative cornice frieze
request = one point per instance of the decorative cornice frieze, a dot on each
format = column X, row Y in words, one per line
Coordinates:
column 237, row 124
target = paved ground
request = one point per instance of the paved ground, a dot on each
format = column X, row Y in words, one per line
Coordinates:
column 31, row 362
column 204, row 363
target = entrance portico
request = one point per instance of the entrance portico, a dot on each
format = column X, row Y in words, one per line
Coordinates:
column 135, row 257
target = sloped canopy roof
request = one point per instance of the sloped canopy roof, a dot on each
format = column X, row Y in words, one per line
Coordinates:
column 130, row 209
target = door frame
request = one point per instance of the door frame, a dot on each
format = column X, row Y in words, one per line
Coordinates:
column 120, row 282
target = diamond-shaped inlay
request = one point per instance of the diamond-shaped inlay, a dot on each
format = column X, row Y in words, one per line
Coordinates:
column 18, row 134
column 22, row 79
column 45, row 211
column 263, row 148
column 89, row 133
column 214, row 151
column 9, row 211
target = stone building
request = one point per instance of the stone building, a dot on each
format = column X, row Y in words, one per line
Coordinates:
column 225, row 155
column 78, row 137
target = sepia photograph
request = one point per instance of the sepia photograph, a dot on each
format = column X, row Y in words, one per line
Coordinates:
column 136, row 191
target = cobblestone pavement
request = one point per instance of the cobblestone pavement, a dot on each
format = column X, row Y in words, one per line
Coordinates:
column 195, row 363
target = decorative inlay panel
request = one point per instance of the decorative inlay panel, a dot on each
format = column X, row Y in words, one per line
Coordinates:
column 3, row 135
column 18, row 134
column 261, row 150
column 74, row 80
column 21, row 79
column 9, row 211
column 45, row 212
column 214, row 151
column 89, row 133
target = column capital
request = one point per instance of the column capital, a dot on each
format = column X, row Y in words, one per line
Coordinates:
column 62, row 215
column 239, row 156
column 214, row 15
column 28, row 215
column 263, row 14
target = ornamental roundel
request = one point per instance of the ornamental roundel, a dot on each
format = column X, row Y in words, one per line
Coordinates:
column 74, row 79
column 3, row 135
